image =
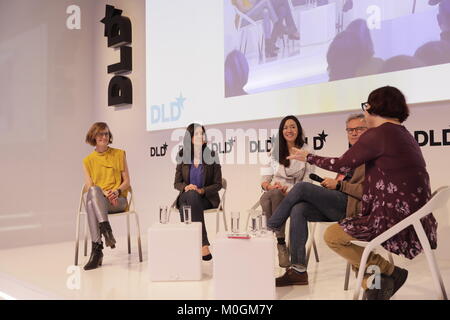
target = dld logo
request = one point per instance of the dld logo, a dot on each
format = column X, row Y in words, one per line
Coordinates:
column 167, row 113
column 424, row 138
column 158, row 151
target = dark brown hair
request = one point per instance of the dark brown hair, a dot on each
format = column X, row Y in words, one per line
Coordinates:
column 281, row 150
column 388, row 102
column 94, row 130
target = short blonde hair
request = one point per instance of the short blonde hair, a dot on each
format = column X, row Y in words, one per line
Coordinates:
column 94, row 130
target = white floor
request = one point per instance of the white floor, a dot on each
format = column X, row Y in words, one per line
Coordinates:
column 43, row 272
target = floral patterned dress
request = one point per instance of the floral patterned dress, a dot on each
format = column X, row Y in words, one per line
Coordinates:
column 396, row 185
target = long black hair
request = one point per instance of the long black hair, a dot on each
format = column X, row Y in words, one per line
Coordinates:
column 280, row 150
column 186, row 155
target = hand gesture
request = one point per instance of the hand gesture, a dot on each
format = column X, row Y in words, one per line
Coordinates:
column 298, row 154
column 329, row 183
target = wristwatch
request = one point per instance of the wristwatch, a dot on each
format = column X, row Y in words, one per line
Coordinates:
column 118, row 192
column 338, row 186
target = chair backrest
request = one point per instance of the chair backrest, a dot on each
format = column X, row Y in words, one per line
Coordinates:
column 438, row 200
column 224, row 183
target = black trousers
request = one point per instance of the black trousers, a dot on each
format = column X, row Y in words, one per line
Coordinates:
column 198, row 204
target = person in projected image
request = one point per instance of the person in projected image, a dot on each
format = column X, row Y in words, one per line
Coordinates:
column 401, row 62
column 277, row 20
column 107, row 182
column 438, row 52
column 279, row 175
column 369, row 63
column 396, row 185
column 351, row 53
column 236, row 74
column 336, row 199
column 198, row 178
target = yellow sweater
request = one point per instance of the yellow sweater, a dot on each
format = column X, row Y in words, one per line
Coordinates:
column 105, row 169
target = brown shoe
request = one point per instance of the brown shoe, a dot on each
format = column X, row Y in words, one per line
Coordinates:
column 292, row 277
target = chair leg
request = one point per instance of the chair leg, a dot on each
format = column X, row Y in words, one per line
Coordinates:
column 347, row 276
column 138, row 237
column 313, row 233
column 85, row 234
column 362, row 268
column 435, row 273
column 217, row 222
column 316, row 253
column 224, row 220
column 77, row 239
column 128, row 234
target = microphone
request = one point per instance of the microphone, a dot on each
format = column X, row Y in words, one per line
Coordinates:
column 315, row 177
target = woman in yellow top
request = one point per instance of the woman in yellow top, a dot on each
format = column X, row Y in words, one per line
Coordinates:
column 107, row 181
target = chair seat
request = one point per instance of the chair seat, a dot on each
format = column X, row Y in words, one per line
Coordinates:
column 127, row 214
column 360, row 243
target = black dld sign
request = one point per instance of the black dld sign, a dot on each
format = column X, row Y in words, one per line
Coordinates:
column 118, row 32
column 432, row 137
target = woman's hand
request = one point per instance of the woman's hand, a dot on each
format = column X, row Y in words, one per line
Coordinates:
column 112, row 196
column 298, row 154
column 329, row 183
column 190, row 187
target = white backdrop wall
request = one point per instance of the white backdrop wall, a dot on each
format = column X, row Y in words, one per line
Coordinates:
column 46, row 106
column 46, row 177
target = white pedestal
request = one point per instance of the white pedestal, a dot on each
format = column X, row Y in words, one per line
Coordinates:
column 174, row 251
column 244, row 269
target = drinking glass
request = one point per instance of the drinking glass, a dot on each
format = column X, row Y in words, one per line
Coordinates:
column 235, row 221
column 187, row 217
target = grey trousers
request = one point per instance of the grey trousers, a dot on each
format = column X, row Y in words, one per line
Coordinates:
column 269, row 201
column 97, row 209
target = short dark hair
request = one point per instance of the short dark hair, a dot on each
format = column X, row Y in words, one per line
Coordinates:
column 94, row 130
column 388, row 102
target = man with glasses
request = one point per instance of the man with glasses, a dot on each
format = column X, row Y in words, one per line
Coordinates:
column 334, row 200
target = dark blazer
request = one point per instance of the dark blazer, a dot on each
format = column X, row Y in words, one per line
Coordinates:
column 212, row 178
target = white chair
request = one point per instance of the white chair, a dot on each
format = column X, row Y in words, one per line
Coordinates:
column 245, row 22
column 217, row 211
column 438, row 200
column 131, row 211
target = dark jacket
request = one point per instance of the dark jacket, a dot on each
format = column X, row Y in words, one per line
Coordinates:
column 212, row 177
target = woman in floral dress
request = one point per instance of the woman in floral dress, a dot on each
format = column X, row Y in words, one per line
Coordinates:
column 396, row 185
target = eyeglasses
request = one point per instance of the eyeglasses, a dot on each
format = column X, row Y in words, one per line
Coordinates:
column 101, row 134
column 365, row 106
column 357, row 129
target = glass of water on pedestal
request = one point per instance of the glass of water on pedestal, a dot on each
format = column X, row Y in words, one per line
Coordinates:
column 235, row 215
column 263, row 223
column 187, row 217
column 254, row 222
column 164, row 214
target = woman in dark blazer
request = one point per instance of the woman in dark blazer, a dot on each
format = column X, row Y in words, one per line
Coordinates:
column 198, row 177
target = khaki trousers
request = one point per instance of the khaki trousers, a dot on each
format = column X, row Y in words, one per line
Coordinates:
column 340, row 242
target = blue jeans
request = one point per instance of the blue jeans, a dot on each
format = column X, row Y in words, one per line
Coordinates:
column 307, row 202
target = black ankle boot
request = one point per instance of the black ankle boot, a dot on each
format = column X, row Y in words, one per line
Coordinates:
column 399, row 275
column 96, row 257
column 385, row 291
column 106, row 231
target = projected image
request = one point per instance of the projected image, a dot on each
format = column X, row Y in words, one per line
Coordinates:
column 276, row 44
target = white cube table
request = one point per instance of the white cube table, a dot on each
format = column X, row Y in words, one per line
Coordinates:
column 174, row 251
column 244, row 269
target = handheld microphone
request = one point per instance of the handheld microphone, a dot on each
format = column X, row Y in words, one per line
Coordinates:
column 315, row 177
